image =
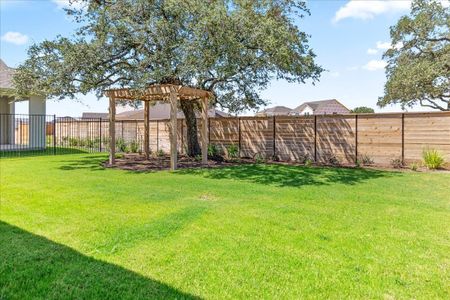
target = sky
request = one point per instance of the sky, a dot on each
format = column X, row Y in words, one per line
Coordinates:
column 348, row 38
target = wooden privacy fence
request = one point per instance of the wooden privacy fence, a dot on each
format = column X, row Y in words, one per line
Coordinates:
column 381, row 137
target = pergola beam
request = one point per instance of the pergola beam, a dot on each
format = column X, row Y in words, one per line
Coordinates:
column 205, row 134
column 173, row 130
column 112, row 130
column 146, row 129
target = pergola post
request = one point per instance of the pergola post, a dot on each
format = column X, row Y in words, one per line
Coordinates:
column 173, row 129
column 146, row 129
column 112, row 130
column 205, row 131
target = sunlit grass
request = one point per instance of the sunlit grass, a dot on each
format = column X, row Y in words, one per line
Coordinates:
column 70, row 228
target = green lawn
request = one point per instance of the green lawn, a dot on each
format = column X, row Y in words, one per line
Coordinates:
column 71, row 229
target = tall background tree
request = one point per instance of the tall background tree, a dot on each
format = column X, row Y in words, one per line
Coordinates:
column 363, row 110
column 233, row 48
column 418, row 70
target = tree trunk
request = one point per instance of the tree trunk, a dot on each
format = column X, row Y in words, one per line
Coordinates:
column 193, row 147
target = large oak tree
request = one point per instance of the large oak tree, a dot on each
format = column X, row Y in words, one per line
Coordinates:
column 233, row 48
column 418, row 70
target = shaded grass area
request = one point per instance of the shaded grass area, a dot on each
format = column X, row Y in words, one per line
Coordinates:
column 44, row 152
column 252, row 231
column 33, row 266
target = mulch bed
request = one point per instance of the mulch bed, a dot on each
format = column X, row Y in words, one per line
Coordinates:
column 137, row 162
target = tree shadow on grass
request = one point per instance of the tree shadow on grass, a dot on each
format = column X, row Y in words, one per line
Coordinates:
column 35, row 267
column 93, row 163
column 290, row 176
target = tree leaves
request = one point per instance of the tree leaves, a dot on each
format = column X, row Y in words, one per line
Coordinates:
column 418, row 72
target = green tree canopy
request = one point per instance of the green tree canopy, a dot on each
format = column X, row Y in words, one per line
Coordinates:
column 363, row 110
column 418, row 70
column 233, row 48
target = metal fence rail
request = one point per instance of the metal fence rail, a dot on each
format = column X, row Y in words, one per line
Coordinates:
column 25, row 135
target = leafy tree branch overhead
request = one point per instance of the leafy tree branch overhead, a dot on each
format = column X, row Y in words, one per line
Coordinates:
column 231, row 47
column 418, row 70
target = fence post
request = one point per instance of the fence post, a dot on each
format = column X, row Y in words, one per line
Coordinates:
column 182, row 134
column 100, row 134
column 403, row 138
column 274, row 135
column 157, row 135
column 239, row 135
column 54, row 134
column 315, row 138
column 356, row 139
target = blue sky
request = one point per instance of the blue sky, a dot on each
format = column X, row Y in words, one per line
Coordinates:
column 347, row 36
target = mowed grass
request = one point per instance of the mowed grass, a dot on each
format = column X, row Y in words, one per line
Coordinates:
column 72, row 229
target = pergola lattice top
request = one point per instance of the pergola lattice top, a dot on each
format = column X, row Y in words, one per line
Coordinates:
column 159, row 92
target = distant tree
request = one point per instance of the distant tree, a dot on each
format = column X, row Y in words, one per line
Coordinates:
column 418, row 70
column 363, row 110
column 232, row 48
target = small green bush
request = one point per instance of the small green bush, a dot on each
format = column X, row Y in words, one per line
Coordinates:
column 414, row 166
column 160, row 153
column 365, row 160
column 121, row 145
column 432, row 159
column 303, row 158
column 134, row 146
column 397, row 163
column 232, row 151
column 308, row 162
column 259, row 158
column 213, row 150
column 332, row 160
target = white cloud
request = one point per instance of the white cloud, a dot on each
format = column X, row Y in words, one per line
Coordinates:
column 335, row 74
column 383, row 46
column 16, row 38
column 365, row 10
column 372, row 51
column 375, row 65
column 61, row 4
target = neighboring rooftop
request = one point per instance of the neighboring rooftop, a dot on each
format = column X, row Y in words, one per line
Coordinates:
column 6, row 74
column 322, row 107
column 95, row 115
column 159, row 111
column 274, row 111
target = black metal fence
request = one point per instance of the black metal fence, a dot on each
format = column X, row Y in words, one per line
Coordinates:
column 24, row 135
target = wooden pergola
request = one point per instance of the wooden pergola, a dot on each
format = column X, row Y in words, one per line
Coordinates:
column 160, row 92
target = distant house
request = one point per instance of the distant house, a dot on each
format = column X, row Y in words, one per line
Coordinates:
column 94, row 115
column 322, row 107
column 161, row 111
column 274, row 111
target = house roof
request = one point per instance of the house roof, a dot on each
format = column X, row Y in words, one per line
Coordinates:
column 276, row 110
column 323, row 107
column 94, row 115
column 6, row 74
column 161, row 111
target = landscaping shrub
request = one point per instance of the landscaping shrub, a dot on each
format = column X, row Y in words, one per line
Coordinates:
column 331, row 159
column 134, row 146
column 365, row 160
column 214, row 153
column 121, row 145
column 232, row 151
column 432, row 159
column 308, row 162
column 397, row 163
column 414, row 166
column 160, row 153
column 303, row 158
column 259, row 158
